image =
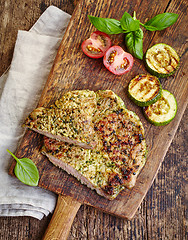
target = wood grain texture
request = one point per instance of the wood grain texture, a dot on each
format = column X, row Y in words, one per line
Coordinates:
column 63, row 216
column 73, row 70
column 161, row 214
column 21, row 15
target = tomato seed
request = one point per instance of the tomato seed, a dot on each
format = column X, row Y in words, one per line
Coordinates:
column 92, row 49
column 111, row 57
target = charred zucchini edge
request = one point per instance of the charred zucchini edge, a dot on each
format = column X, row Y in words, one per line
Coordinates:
column 167, row 120
column 149, row 102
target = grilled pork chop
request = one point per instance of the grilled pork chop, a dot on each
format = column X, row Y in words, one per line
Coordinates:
column 87, row 165
column 119, row 155
column 68, row 120
column 122, row 135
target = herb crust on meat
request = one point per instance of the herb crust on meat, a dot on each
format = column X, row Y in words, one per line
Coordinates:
column 68, row 120
column 119, row 155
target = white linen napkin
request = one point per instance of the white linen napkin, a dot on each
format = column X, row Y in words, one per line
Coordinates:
column 20, row 89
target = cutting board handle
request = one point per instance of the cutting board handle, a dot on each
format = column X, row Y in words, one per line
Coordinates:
column 62, row 219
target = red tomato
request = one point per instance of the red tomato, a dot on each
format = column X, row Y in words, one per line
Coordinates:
column 96, row 45
column 117, row 61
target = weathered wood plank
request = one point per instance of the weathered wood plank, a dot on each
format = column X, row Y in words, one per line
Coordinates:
column 151, row 221
column 72, row 70
column 21, row 15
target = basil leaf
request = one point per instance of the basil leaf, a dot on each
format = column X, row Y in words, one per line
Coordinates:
column 161, row 21
column 25, row 170
column 149, row 28
column 128, row 23
column 134, row 43
column 106, row 25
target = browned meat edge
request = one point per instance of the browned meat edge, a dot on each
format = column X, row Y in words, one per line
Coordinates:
column 62, row 138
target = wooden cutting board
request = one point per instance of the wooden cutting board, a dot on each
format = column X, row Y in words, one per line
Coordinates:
column 74, row 70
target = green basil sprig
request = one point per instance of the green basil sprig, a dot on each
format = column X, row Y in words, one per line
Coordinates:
column 25, row 170
column 131, row 27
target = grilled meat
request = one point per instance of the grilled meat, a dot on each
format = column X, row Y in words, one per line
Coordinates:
column 68, row 120
column 87, row 165
column 119, row 155
column 120, row 135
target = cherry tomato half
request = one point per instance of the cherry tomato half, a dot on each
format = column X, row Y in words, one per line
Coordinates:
column 96, row 45
column 117, row 61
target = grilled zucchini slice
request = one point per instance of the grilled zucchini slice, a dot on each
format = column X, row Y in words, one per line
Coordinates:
column 161, row 60
column 163, row 111
column 144, row 90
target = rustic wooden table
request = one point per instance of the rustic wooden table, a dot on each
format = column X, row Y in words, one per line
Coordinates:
column 162, row 214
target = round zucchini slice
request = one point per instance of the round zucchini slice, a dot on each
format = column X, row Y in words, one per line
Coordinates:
column 163, row 111
column 144, row 90
column 161, row 60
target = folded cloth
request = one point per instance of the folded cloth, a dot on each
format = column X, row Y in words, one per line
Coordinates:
column 20, row 89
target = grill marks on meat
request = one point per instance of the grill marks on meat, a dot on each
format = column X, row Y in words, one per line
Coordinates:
column 68, row 120
column 119, row 155
column 119, row 136
column 122, row 136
